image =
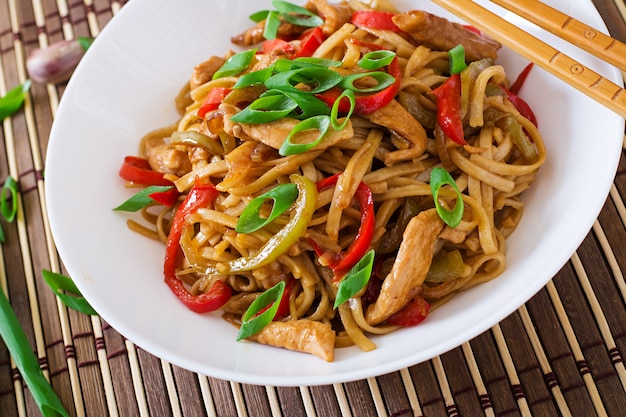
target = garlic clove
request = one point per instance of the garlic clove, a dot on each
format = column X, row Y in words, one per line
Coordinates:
column 55, row 63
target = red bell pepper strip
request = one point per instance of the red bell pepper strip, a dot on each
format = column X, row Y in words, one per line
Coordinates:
column 137, row 170
column 517, row 101
column 374, row 19
column 167, row 198
column 342, row 262
column 309, row 42
column 213, row 100
column 201, row 195
column 413, row 313
column 521, row 79
column 449, row 109
column 366, row 103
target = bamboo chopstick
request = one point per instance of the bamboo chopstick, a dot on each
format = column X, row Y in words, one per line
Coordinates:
column 547, row 57
column 574, row 31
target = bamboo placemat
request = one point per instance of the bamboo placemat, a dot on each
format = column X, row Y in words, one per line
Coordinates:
column 559, row 354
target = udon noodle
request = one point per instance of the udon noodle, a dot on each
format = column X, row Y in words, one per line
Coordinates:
column 385, row 154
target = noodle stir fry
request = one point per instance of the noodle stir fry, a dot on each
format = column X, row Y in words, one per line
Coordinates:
column 352, row 168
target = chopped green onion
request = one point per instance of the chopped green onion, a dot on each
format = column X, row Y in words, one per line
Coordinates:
column 85, row 42
column 9, row 193
column 456, row 57
column 254, row 77
column 27, row 363
column 272, row 23
column 235, row 64
column 259, row 16
column 307, row 105
column 318, row 62
column 320, row 123
column 321, row 79
column 382, row 79
column 251, row 321
column 266, row 109
column 283, row 196
column 297, row 15
column 349, row 94
column 67, row 291
column 376, row 59
column 142, row 198
column 356, row 279
column 12, row 101
column 438, row 178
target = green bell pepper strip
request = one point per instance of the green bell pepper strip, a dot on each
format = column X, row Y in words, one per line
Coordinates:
column 303, row 209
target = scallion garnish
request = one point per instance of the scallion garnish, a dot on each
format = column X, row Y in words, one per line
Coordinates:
column 27, row 363
column 67, row 291
column 456, row 57
column 297, row 15
column 320, row 123
column 252, row 322
column 8, row 199
column 376, row 59
column 13, row 100
column 383, row 80
column 254, row 78
column 142, row 198
column 356, row 279
column 283, row 197
column 438, row 178
column 265, row 109
column 235, row 64
column 320, row 79
column 272, row 23
column 334, row 112
column 307, row 104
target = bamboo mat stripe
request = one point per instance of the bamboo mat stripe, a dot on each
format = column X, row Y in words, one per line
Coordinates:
column 560, row 354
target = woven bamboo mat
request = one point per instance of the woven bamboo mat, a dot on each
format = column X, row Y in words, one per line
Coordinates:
column 559, row 354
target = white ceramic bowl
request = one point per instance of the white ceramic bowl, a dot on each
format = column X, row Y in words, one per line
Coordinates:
column 125, row 87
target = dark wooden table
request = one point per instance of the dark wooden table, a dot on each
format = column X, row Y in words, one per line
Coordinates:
column 562, row 353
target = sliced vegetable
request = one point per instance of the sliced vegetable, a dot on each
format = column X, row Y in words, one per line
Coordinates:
column 413, row 313
column 318, row 123
column 446, row 266
column 137, row 171
column 374, row 19
column 67, row 291
column 283, row 197
column 254, row 78
column 272, row 23
column 309, row 42
column 167, row 195
column 265, row 109
column 383, row 80
column 456, row 58
column 376, row 59
column 448, row 97
column 521, row 79
column 334, row 111
column 438, row 178
column 235, row 64
column 297, row 15
column 356, row 279
column 12, row 101
column 251, row 321
column 318, row 78
column 213, row 100
column 27, row 363
column 8, row 199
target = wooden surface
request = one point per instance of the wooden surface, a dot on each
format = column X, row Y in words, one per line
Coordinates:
column 562, row 353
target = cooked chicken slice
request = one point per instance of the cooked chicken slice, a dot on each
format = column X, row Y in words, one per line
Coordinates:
column 163, row 158
column 410, row 268
column 204, row 71
column 273, row 134
column 439, row 33
column 302, row 335
column 334, row 15
column 398, row 119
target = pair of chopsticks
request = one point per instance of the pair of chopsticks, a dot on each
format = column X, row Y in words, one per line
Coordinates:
column 547, row 57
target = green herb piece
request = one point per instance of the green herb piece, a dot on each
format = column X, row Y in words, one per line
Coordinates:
column 438, row 178
column 297, row 15
column 254, row 77
column 376, row 59
column 258, row 16
column 283, row 196
column 13, row 100
column 142, row 198
column 85, row 42
column 266, row 109
column 235, row 64
column 456, row 57
column 356, row 279
column 8, row 199
column 320, row 123
column 317, row 62
column 27, row 363
column 251, row 321
column 67, row 291
column 307, row 105
column 383, row 80
column 272, row 23
column 320, row 79
column 334, row 112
